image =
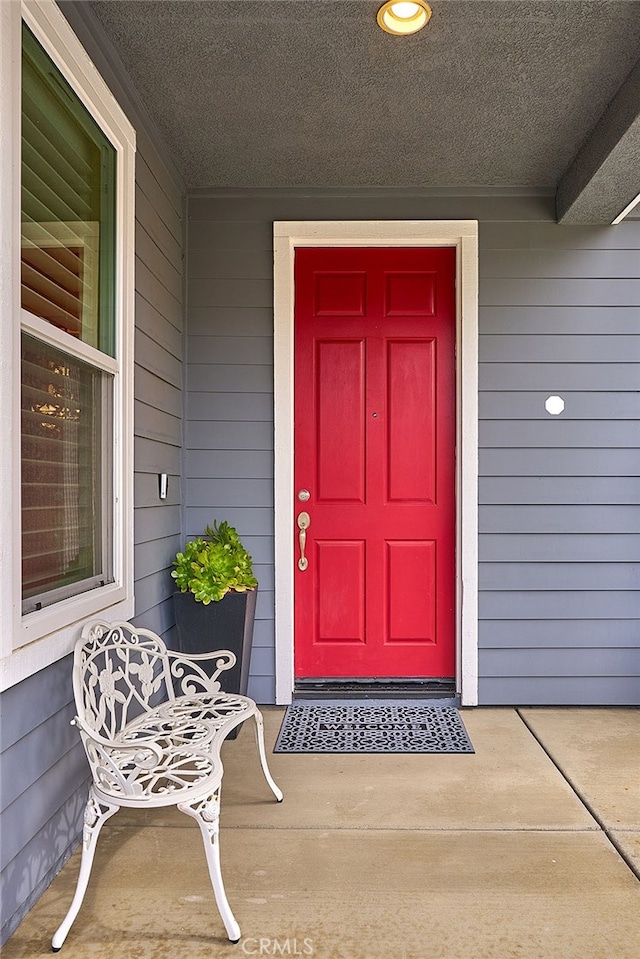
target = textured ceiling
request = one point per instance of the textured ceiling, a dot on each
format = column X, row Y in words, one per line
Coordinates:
column 278, row 93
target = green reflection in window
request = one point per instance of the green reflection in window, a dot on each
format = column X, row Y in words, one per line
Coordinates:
column 68, row 206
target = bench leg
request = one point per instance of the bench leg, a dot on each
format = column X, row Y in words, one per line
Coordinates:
column 96, row 814
column 277, row 792
column 206, row 812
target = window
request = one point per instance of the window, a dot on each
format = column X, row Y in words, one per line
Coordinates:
column 67, row 411
column 67, row 279
column 66, row 187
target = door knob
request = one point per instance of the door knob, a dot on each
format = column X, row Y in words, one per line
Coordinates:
column 304, row 521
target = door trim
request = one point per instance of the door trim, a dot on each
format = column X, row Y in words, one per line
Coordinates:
column 463, row 235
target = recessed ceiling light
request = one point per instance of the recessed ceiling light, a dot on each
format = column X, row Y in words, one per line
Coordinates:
column 401, row 18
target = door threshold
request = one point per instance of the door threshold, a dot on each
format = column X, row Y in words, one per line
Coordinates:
column 374, row 689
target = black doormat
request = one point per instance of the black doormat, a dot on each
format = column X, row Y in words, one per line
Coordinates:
column 394, row 727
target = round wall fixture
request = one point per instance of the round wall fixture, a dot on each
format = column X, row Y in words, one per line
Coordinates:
column 554, row 405
column 401, row 18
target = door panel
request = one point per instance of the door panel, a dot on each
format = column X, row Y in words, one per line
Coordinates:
column 340, row 581
column 411, row 409
column 411, row 602
column 339, row 398
column 374, row 445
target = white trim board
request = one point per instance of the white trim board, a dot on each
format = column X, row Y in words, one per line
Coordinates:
column 463, row 235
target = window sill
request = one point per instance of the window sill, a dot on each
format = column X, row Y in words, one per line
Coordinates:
column 50, row 634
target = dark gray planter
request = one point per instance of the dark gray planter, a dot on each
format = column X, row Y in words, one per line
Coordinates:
column 227, row 624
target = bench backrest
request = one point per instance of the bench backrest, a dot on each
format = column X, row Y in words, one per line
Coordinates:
column 120, row 671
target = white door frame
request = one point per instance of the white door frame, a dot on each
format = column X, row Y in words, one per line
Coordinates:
column 463, row 235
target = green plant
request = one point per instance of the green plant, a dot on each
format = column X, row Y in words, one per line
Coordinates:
column 213, row 564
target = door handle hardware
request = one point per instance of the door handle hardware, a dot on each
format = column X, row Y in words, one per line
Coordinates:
column 304, row 521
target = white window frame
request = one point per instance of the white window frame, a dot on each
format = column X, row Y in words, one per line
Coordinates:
column 30, row 642
column 463, row 236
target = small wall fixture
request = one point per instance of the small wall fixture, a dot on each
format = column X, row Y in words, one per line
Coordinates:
column 401, row 18
column 554, row 405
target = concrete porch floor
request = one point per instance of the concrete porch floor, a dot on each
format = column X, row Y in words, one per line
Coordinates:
column 526, row 849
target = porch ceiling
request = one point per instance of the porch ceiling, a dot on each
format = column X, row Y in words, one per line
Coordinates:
column 311, row 93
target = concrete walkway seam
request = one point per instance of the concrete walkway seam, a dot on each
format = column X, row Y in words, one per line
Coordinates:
column 635, row 869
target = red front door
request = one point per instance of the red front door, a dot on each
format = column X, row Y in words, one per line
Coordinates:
column 375, row 451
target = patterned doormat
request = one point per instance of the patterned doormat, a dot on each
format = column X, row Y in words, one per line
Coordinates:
column 390, row 727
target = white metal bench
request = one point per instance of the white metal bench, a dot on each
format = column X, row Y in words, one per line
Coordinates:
column 152, row 724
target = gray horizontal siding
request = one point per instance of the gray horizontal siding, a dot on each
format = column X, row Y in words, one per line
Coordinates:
column 549, row 690
column 201, row 492
column 233, row 465
column 571, row 576
column 157, row 359
column 151, row 456
column 559, row 314
column 158, row 390
column 157, row 424
column 537, row 663
column 558, row 634
column 249, row 520
column 545, row 264
column 232, row 264
column 237, row 377
column 231, row 406
column 229, row 402
column 253, row 351
column 559, row 547
column 227, row 321
column 32, row 870
column 229, row 436
column 502, row 405
column 596, row 490
column 155, row 522
column 157, row 554
column 167, row 396
column 524, row 291
column 559, row 347
column 26, row 759
column 146, row 490
column 559, row 519
column 556, row 431
column 230, row 237
column 43, row 787
column 558, row 319
column 518, row 461
column 154, row 324
column 264, row 573
column 552, row 603
column 557, row 377
column 161, row 619
column 32, row 811
column 228, row 293
column 541, row 233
